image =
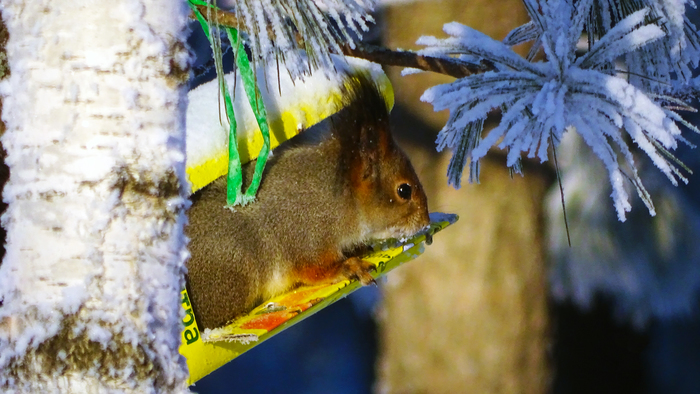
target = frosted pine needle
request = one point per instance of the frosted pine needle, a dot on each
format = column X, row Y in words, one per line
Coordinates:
column 271, row 28
column 675, row 55
column 540, row 101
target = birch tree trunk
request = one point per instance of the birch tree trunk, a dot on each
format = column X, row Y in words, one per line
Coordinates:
column 94, row 116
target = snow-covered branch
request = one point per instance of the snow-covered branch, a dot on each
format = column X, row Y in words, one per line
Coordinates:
column 272, row 29
column 540, row 101
column 376, row 54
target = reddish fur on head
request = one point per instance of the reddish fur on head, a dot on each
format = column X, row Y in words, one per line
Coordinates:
column 377, row 167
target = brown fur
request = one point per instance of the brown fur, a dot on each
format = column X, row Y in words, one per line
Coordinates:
column 317, row 204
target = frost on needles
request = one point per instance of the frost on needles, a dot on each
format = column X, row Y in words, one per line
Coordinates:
column 274, row 26
column 626, row 82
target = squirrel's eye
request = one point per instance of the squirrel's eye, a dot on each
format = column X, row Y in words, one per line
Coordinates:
column 404, row 191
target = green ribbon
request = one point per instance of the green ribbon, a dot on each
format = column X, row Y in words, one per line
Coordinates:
column 234, row 179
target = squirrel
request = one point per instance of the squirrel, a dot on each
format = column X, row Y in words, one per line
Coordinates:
column 319, row 205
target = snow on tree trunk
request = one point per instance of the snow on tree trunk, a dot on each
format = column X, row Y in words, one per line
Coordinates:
column 94, row 110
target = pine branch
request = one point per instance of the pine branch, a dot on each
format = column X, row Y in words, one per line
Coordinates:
column 373, row 53
column 388, row 57
column 225, row 18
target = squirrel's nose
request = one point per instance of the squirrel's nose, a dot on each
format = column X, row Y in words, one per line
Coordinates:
column 425, row 217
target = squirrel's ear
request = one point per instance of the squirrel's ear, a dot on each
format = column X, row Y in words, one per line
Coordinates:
column 362, row 128
column 375, row 143
column 369, row 154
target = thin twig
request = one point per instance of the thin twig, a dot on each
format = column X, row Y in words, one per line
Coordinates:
column 561, row 191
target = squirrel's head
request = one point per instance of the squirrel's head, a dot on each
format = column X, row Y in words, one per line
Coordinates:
column 390, row 199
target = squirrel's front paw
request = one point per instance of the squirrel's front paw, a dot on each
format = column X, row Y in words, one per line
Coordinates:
column 356, row 268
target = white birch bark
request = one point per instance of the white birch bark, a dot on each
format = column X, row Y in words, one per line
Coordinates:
column 91, row 281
